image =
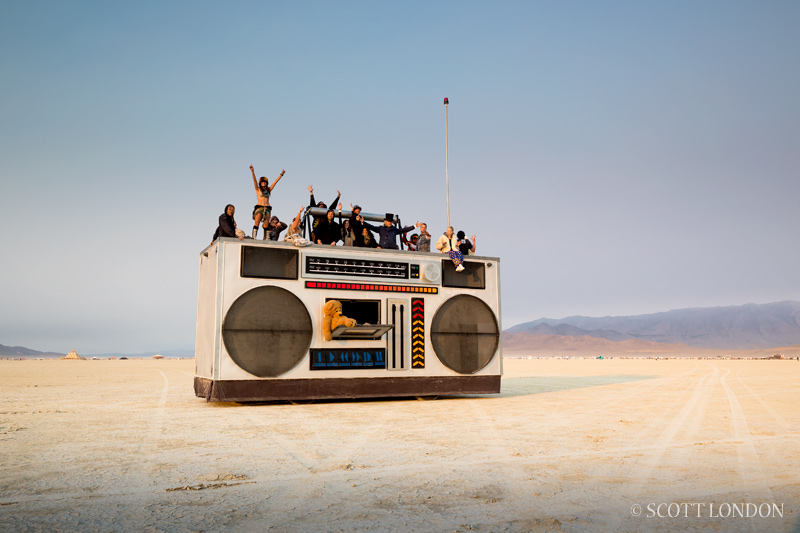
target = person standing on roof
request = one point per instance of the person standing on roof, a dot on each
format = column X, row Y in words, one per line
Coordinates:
column 389, row 232
column 424, row 242
column 356, row 220
column 313, row 203
column 262, row 211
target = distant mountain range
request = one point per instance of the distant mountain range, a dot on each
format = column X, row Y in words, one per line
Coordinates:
column 21, row 351
column 27, row 353
column 743, row 327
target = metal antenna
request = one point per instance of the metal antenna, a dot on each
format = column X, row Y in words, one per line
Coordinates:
column 446, row 170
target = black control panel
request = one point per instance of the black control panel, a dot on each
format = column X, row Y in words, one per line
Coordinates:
column 339, row 266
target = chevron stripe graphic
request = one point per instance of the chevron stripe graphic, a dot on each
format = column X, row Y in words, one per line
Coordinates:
column 417, row 333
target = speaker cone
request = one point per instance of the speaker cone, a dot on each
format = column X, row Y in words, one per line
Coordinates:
column 267, row 331
column 465, row 334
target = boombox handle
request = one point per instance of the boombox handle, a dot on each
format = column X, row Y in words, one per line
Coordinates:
column 312, row 212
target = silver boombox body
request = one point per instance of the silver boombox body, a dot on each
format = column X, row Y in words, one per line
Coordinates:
column 421, row 327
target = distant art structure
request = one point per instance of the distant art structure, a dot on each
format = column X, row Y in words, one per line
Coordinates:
column 73, row 355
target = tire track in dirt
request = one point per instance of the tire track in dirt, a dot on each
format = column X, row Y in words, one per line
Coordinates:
column 632, row 390
column 781, row 422
column 667, row 437
column 750, row 468
column 155, row 424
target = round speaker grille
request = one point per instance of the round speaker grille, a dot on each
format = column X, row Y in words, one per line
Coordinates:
column 267, row 331
column 465, row 334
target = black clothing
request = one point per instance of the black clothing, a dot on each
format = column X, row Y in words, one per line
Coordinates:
column 313, row 203
column 226, row 228
column 319, row 218
column 465, row 247
column 356, row 226
column 327, row 232
column 371, row 244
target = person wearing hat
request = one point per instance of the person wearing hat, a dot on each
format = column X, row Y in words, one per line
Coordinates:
column 389, row 232
column 356, row 222
column 262, row 210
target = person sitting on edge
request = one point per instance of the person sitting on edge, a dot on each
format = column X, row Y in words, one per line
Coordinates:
column 295, row 233
column 448, row 244
column 227, row 225
column 424, row 242
column 389, row 232
column 262, row 210
column 412, row 243
column 328, row 232
column 464, row 246
column 275, row 228
column 313, row 203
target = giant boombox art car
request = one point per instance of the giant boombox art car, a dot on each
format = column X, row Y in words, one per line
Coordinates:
column 416, row 327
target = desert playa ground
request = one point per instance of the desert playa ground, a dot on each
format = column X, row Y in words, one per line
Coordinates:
column 569, row 445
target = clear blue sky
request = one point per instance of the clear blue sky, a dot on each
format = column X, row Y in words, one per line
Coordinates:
column 619, row 157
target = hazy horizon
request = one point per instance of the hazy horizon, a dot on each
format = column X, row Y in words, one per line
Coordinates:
column 620, row 158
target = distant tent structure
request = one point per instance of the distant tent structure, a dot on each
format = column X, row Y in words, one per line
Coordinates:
column 72, row 355
column 158, row 356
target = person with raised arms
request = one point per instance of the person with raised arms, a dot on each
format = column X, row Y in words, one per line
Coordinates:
column 262, row 210
column 389, row 232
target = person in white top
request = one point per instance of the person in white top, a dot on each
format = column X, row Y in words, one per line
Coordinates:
column 448, row 244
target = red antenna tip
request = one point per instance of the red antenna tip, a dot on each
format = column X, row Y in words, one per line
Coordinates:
column 446, row 101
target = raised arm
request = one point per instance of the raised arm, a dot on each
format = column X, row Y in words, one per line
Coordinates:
column 473, row 245
column 312, row 202
column 274, row 183
column 338, row 195
column 409, row 228
column 296, row 221
column 255, row 181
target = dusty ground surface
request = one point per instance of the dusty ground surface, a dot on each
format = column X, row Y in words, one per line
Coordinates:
column 569, row 445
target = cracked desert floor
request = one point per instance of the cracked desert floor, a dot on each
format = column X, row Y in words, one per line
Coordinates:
column 569, row 445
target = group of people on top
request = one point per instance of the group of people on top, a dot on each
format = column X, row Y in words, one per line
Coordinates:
column 353, row 231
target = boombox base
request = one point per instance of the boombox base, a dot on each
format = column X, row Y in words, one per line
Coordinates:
column 260, row 390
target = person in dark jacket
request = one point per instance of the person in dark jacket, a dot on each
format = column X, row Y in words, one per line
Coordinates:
column 389, row 232
column 356, row 222
column 328, row 231
column 313, row 203
column 227, row 226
